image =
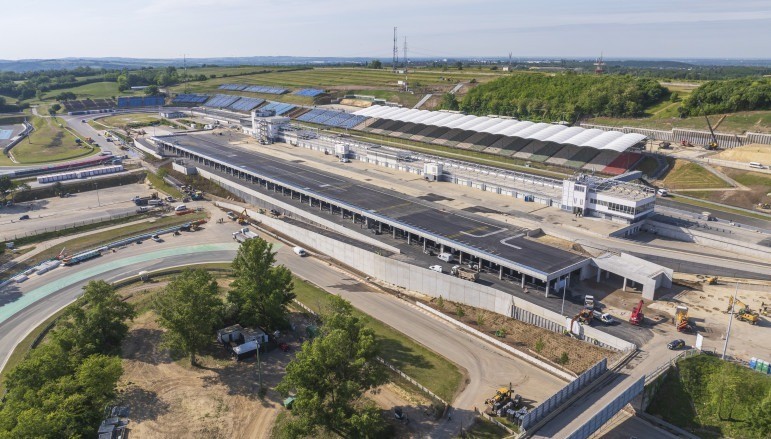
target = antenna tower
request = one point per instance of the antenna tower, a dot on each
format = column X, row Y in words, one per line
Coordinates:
column 599, row 66
column 406, row 67
column 509, row 61
column 396, row 53
column 184, row 66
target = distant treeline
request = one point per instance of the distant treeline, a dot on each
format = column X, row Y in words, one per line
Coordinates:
column 729, row 96
column 566, row 96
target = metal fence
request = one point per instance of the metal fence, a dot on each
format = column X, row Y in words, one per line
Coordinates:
column 609, row 410
column 551, row 404
column 58, row 228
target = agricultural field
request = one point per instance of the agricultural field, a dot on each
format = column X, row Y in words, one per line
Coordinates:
column 688, row 175
column 341, row 79
column 48, row 143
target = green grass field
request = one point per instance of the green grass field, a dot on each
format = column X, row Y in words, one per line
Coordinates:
column 433, row 371
column 124, row 119
column 49, row 143
column 688, row 175
column 96, row 90
column 713, row 398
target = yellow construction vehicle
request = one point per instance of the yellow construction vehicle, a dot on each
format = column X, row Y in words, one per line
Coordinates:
column 681, row 319
column 500, row 395
column 243, row 218
column 711, row 280
column 742, row 311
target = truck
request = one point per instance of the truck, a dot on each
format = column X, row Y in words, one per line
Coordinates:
column 197, row 195
column 244, row 235
column 589, row 302
column 144, row 201
column 464, row 273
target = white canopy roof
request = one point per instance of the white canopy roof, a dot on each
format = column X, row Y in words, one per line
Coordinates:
column 577, row 136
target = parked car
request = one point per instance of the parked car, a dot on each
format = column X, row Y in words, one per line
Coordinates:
column 300, row 251
column 156, row 238
column 676, row 344
column 437, row 268
column 23, row 217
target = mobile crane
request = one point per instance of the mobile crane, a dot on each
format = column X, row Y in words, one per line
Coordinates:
column 712, row 145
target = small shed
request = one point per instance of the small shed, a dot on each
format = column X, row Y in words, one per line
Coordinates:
column 257, row 335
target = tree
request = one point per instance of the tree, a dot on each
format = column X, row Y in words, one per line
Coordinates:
column 449, row 102
column 66, row 96
column 261, row 292
column 375, row 64
column 58, row 188
column 152, row 90
column 53, row 109
column 97, row 324
column 190, row 309
column 331, row 373
column 459, row 65
column 123, row 83
column 19, row 188
column 6, row 184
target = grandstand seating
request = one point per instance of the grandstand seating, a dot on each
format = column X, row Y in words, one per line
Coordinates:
column 621, row 163
column 189, row 99
column 310, row 92
column 88, row 104
column 582, row 157
column 245, row 104
column 332, row 118
column 279, row 108
column 140, row 101
column 546, row 150
column 221, row 101
column 480, row 141
column 232, row 87
column 265, row 89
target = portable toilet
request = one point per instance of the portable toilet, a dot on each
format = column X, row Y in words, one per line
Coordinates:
column 753, row 362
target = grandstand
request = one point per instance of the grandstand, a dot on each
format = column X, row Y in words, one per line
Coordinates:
column 310, row 92
column 88, row 104
column 140, row 101
column 233, row 87
column 221, row 101
column 278, row 108
column 245, row 104
column 332, row 118
column 189, row 99
column 575, row 147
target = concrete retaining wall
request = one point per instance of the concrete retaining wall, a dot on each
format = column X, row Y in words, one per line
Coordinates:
column 146, row 148
column 725, row 140
column 707, row 239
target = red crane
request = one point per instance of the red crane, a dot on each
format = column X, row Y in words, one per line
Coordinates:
column 637, row 315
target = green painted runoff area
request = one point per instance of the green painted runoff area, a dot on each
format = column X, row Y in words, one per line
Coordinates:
column 8, row 310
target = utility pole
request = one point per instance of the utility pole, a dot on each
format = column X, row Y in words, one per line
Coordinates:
column 395, row 59
column 184, row 66
column 406, row 84
column 730, row 320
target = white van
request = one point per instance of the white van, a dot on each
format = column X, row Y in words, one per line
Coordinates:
column 756, row 165
column 446, row 257
column 180, row 208
column 663, row 192
column 300, row 251
column 437, row 268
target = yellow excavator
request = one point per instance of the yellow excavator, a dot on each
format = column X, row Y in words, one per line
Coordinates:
column 743, row 311
column 681, row 319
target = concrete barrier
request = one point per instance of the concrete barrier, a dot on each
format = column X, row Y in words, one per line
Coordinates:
column 147, row 149
column 707, row 239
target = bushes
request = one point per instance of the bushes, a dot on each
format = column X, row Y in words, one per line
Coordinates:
column 730, row 96
column 564, row 97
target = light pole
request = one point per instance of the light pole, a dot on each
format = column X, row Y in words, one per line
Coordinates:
column 96, row 186
column 259, row 366
column 730, row 320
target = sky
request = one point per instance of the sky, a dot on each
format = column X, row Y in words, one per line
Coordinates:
column 620, row 29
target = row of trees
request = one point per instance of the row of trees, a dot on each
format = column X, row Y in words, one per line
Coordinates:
column 744, row 94
column 566, row 96
column 191, row 309
column 330, row 373
column 63, row 386
column 8, row 186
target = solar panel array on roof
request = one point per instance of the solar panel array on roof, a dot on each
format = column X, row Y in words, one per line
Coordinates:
column 265, row 89
column 332, row 118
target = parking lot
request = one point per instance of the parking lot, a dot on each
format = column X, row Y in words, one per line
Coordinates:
column 57, row 213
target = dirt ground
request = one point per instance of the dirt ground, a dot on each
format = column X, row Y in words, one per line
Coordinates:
column 707, row 311
column 418, row 410
column 524, row 337
column 747, row 153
